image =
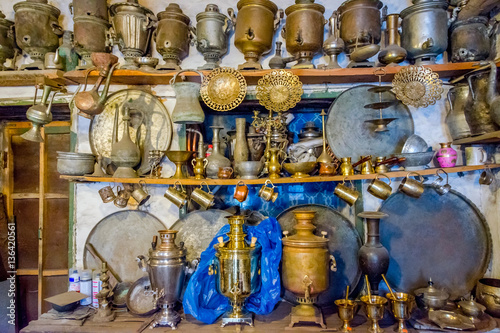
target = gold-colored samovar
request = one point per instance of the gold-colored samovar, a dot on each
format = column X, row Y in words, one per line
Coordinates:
column 237, row 266
column 305, row 268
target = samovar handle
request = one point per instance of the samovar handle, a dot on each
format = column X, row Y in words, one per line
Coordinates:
column 212, row 270
column 232, row 16
column 141, row 262
column 333, row 263
column 277, row 19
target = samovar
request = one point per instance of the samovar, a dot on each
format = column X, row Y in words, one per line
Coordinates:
column 37, row 30
column 469, row 39
column 96, row 8
column 172, row 36
column 212, row 35
column 132, row 25
column 7, row 44
column 166, row 268
column 91, row 35
column 303, row 31
column 237, row 266
column 254, row 29
column 305, row 268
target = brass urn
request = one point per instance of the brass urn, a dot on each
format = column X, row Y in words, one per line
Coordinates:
column 254, row 29
column 305, row 268
column 303, row 31
column 7, row 44
column 237, row 266
column 37, row 30
column 172, row 36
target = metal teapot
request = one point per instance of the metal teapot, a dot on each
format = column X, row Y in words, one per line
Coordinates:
column 90, row 103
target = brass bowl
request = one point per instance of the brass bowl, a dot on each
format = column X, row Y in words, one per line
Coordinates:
column 300, row 169
column 179, row 156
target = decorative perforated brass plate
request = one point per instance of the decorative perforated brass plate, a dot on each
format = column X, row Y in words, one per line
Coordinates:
column 223, row 89
column 279, row 91
column 417, row 86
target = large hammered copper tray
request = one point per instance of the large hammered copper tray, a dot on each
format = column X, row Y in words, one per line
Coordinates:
column 119, row 238
column 155, row 133
column 350, row 136
column 344, row 243
column 443, row 237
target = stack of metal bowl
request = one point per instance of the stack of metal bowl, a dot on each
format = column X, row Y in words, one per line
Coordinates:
column 417, row 153
column 75, row 164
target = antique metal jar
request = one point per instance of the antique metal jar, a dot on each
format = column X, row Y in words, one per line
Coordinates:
column 455, row 119
column 305, row 266
column 166, row 268
column 477, row 108
column 212, row 35
column 132, row 25
column 360, row 23
column 172, row 36
column 470, row 39
column 91, row 35
column 424, row 30
column 37, row 30
column 7, row 44
column 237, row 266
column 303, row 31
column 96, row 8
column 392, row 53
column 254, row 29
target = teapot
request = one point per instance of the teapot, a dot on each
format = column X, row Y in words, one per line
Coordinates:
column 493, row 97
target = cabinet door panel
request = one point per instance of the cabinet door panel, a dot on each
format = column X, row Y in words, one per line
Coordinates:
column 26, row 165
column 26, row 213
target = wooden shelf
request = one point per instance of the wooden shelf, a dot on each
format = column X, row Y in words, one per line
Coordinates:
column 307, row 76
column 283, row 180
column 30, row 77
column 492, row 137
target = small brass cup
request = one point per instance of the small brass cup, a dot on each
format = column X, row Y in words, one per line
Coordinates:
column 401, row 308
column 177, row 196
column 107, row 194
column 140, row 195
column 121, row 199
column 374, row 308
column 380, row 189
column 346, row 310
column 347, row 194
column 202, row 198
column 412, row 187
column 268, row 193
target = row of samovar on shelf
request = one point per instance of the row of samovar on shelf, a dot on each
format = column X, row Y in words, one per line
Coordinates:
column 355, row 28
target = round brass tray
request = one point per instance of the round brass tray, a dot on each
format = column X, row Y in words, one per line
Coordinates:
column 223, row 89
column 417, row 86
column 279, row 90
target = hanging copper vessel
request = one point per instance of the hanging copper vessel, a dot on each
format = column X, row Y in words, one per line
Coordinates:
column 7, row 44
column 37, row 30
column 237, row 266
column 303, row 31
column 254, row 29
column 305, row 268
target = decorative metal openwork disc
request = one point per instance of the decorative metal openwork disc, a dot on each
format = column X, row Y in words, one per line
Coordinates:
column 223, row 89
column 279, row 90
column 417, row 86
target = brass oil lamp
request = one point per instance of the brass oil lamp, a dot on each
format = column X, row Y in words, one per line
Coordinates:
column 305, row 264
column 237, row 266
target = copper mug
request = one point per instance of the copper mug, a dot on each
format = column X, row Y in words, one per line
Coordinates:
column 121, row 199
column 380, row 189
column 412, row 187
column 177, row 196
column 225, row 173
column 202, row 198
column 268, row 193
column 486, row 177
column 241, row 191
column 347, row 194
column 327, row 169
column 107, row 194
column 140, row 195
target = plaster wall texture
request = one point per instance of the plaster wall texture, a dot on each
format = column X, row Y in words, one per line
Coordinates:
column 429, row 123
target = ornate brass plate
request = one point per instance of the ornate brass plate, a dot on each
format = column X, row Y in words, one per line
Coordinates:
column 223, row 89
column 417, row 86
column 279, row 91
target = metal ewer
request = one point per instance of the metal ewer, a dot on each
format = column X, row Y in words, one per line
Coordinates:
column 333, row 45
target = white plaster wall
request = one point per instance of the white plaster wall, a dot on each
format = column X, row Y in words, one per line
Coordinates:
column 89, row 210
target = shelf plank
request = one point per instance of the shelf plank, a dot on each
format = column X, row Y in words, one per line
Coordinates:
column 491, row 137
column 283, row 180
column 307, row 76
column 30, row 77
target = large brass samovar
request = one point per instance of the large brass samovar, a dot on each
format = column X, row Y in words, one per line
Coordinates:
column 7, row 45
column 37, row 30
column 303, row 31
column 305, row 268
column 237, row 266
column 166, row 268
column 132, row 25
column 212, row 35
column 172, row 36
column 254, row 29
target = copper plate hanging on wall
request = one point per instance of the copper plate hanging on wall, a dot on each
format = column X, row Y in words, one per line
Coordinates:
column 223, row 89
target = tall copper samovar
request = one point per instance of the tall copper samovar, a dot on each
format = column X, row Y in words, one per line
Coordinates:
column 237, row 266
column 305, row 264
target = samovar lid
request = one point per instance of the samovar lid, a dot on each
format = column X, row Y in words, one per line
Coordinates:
column 310, row 130
column 211, row 11
column 470, row 20
column 305, row 227
column 130, row 3
column 420, row 5
column 304, row 5
column 174, row 12
column 349, row 4
column 167, row 248
column 265, row 3
column 41, row 5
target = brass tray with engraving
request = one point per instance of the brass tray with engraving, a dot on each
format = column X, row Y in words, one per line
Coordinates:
column 223, row 89
column 279, row 90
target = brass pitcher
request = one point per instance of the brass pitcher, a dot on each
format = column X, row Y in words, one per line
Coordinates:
column 254, row 29
column 274, row 166
column 7, row 44
column 367, row 166
column 187, row 108
column 199, row 164
column 455, row 119
column 346, row 168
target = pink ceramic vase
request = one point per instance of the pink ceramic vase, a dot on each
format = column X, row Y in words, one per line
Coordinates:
column 446, row 156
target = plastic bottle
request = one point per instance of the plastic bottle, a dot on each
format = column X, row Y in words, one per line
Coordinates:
column 74, row 280
column 96, row 287
column 86, row 286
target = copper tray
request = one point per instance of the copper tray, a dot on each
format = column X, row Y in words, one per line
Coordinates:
column 344, row 243
column 443, row 237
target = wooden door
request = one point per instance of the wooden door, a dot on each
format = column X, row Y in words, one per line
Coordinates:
column 38, row 200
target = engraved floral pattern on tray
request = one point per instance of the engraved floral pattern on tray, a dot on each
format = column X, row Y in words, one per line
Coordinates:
column 417, row 86
column 279, row 91
column 223, row 89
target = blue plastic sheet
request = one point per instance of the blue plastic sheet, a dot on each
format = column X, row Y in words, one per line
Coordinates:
column 201, row 299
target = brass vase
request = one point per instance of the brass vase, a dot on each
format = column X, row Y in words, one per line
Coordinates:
column 124, row 153
column 305, row 268
column 393, row 53
column 240, row 153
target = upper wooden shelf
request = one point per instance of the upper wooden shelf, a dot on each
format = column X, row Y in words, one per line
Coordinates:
column 283, row 180
column 492, row 137
column 307, row 76
column 30, row 77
